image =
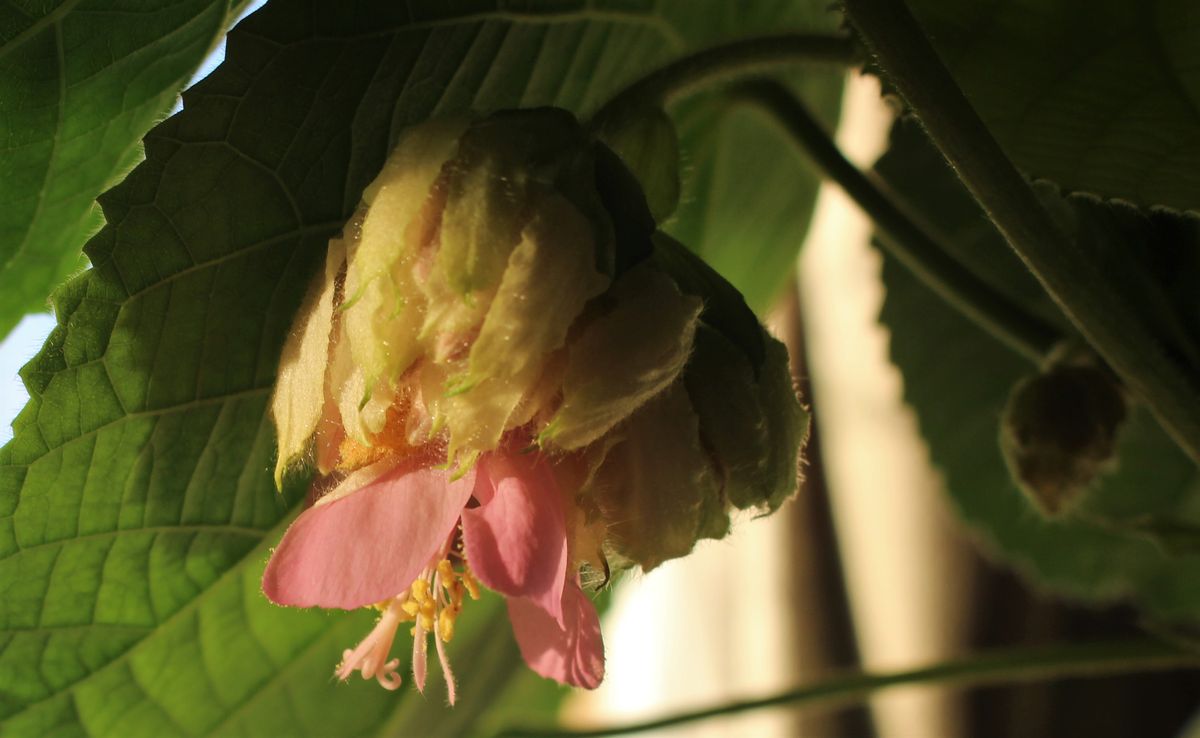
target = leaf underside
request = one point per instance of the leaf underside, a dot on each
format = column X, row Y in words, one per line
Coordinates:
column 136, row 499
column 957, row 378
column 81, row 82
column 1101, row 97
column 749, row 193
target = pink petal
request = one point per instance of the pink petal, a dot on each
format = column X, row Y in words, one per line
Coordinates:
column 573, row 654
column 369, row 545
column 516, row 541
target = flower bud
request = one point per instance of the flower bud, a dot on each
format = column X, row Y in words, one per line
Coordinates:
column 728, row 433
column 1059, row 432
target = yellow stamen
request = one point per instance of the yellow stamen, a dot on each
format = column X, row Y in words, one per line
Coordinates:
column 353, row 455
column 432, row 603
column 469, row 581
column 446, row 624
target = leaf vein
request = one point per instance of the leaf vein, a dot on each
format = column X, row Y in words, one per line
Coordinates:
column 157, row 412
column 59, row 114
column 279, row 671
column 78, row 626
column 119, row 660
column 51, row 18
column 233, row 530
column 300, row 231
column 655, row 22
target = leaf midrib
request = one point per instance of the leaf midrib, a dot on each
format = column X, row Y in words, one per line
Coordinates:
column 154, row 412
column 38, row 26
column 59, row 114
column 651, row 20
column 238, row 530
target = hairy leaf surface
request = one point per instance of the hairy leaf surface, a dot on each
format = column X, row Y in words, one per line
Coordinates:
column 136, row 500
column 81, row 81
column 958, row 377
column 1100, row 96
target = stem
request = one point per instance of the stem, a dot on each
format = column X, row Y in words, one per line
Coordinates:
column 912, row 244
column 1006, row 667
column 1072, row 276
column 720, row 62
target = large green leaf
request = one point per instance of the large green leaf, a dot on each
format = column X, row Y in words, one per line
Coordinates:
column 136, row 501
column 957, row 377
column 1099, row 96
column 80, row 84
column 748, row 192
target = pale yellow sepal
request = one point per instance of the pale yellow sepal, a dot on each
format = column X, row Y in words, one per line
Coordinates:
column 300, row 389
column 657, row 484
column 382, row 311
column 624, row 357
column 486, row 207
column 527, row 321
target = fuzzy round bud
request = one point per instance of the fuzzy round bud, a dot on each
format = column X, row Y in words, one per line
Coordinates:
column 1059, row 432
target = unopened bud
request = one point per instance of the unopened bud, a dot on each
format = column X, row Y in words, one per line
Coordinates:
column 1059, row 432
column 728, row 434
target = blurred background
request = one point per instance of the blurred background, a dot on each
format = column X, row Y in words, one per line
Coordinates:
column 868, row 566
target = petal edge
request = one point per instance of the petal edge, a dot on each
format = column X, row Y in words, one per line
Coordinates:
column 369, row 545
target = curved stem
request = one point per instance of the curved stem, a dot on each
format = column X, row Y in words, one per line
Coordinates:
column 1006, row 667
column 743, row 57
column 1112, row 321
column 910, row 242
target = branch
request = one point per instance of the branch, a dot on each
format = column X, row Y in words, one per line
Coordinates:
column 1072, row 276
column 914, row 246
column 1004, row 667
column 739, row 58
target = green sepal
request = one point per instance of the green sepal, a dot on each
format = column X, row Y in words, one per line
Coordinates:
column 753, row 427
column 724, row 307
column 658, row 486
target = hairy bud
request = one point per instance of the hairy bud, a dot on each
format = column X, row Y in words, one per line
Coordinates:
column 1059, row 432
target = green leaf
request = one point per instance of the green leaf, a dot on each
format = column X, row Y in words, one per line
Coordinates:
column 648, row 144
column 1097, row 96
column 748, row 194
column 81, row 83
column 958, row 377
column 136, row 500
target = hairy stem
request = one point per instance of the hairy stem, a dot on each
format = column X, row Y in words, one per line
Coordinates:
column 913, row 244
column 739, row 58
column 1110, row 320
column 1002, row 667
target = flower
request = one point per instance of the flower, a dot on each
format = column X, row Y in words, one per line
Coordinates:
column 1060, row 429
column 396, row 537
column 506, row 377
